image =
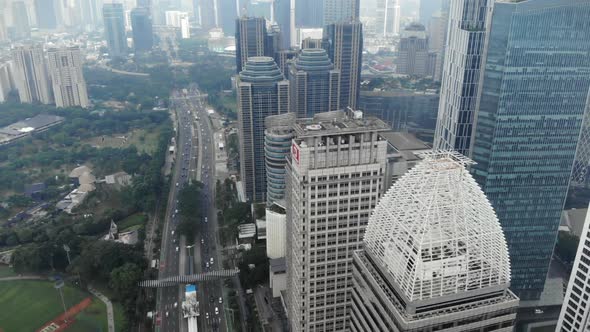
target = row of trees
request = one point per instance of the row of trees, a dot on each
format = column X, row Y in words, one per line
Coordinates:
column 189, row 209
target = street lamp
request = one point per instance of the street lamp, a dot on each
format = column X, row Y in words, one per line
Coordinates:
column 59, row 284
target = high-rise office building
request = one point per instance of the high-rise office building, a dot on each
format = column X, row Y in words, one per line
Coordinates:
column 311, row 43
column 344, row 43
column 334, row 180
column 437, row 36
column 413, row 56
column 388, row 18
column 282, row 15
column 278, row 134
column 273, row 40
column 435, row 257
column 178, row 19
column 283, row 57
column 20, row 20
column 141, row 26
column 30, row 75
column 91, row 12
column 575, row 312
column 314, row 83
column 3, row 30
column 309, row 13
column 429, row 8
column 262, row 91
column 251, row 38
column 209, row 12
column 341, row 11
column 533, row 99
column 114, row 29
column 581, row 170
column 228, row 11
column 67, row 79
column 45, row 12
column 6, row 80
column 469, row 22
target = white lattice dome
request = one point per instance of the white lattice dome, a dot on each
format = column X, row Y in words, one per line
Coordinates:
column 435, row 232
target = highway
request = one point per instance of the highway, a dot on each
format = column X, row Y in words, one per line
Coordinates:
column 195, row 159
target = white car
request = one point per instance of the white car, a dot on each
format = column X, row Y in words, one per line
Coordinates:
column 172, row 233
column 175, row 304
column 205, row 219
column 176, row 249
column 216, row 311
column 207, row 265
column 220, row 300
column 207, row 315
column 166, row 313
column 211, row 261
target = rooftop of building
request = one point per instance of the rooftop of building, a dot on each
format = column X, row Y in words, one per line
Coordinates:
column 573, row 220
column 404, row 141
column 278, row 265
column 435, row 233
column 261, row 69
column 313, row 59
column 338, row 122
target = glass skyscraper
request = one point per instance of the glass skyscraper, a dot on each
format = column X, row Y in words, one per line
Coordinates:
column 533, row 98
column 114, row 29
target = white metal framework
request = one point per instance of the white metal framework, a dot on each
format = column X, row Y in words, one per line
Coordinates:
column 435, row 232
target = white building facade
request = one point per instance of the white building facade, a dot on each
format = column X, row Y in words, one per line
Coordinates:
column 67, row 79
column 334, row 180
column 575, row 312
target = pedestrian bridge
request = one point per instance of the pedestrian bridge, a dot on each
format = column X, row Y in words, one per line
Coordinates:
column 189, row 279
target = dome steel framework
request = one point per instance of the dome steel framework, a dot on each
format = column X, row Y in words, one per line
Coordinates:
column 436, row 234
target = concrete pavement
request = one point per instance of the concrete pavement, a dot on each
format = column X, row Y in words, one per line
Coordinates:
column 109, row 304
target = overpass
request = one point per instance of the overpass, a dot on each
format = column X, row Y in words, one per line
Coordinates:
column 189, row 279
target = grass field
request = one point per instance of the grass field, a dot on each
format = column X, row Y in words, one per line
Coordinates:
column 6, row 271
column 27, row 305
column 143, row 140
column 94, row 318
column 132, row 222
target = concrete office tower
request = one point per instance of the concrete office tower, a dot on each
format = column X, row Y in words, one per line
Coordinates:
column 178, row 19
column 524, row 147
column 344, row 43
column 575, row 312
column 141, row 25
column 273, row 40
column 228, row 12
column 413, row 51
column 314, row 83
column 387, row 18
column 114, row 29
column 437, row 36
column 45, row 12
column 334, row 180
column 250, row 39
column 282, row 15
column 262, row 91
column 469, row 22
column 20, row 20
column 65, row 69
column 311, row 43
column 6, row 80
column 91, row 12
column 435, row 257
column 30, row 75
column 283, row 57
column 340, row 11
column 276, row 231
column 278, row 134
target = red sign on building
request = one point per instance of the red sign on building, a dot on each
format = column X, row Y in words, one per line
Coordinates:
column 295, row 152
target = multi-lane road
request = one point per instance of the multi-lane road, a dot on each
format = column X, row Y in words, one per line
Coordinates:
column 195, row 160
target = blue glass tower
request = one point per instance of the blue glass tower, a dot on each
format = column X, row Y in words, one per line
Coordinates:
column 531, row 107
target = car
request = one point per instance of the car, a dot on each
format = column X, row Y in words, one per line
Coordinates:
column 166, row 313
column 202, row 241
column 207, row 315
column 177, row 184
column 207, row 265
column 220, row 300
column 175, row 304
column 172, row 233
column 176, row 249
column 216, row 311
column 206, row 219
column 211, row 260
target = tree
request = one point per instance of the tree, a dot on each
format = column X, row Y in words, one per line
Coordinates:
column 566, row 246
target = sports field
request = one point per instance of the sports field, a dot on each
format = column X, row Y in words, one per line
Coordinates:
column 28, row 305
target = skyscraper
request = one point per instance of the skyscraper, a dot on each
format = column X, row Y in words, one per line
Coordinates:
column 30, row 75
column 314, row 83
column 178, row 19
column 262, row 91
column 434, row 257
column 575, row 313
column 309, row 13
column 278, row 134
column 282, row 15
column 6, row 80
column 250, row 39
column 3, row 31
column 437, row 36
column 20, row 19
column 344, row 43
column 283, row 57
column 341, row 11
column 65, row 70
column 413, row 55
column 227, row 14
column 141, row 25
column 463, row 63
column 532, row 103
column 334, row 180
column 208, row 10
column 114, row 28
column 388, row 17
column 45, row 10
